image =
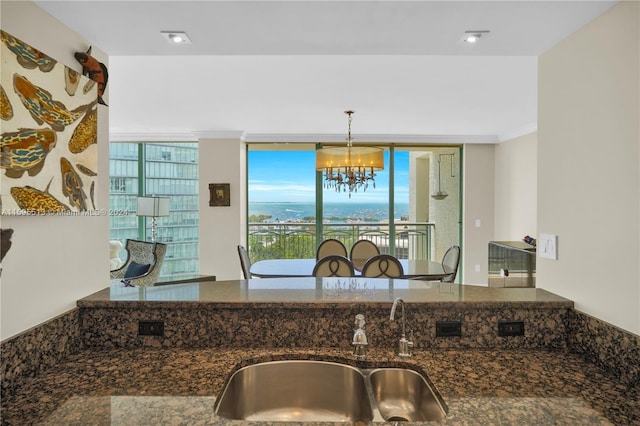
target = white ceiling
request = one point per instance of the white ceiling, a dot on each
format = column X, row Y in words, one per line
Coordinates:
column 286, row 70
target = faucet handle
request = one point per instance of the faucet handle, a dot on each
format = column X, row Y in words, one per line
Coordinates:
column 360, row 339
column 360, row 336
column 405, row 345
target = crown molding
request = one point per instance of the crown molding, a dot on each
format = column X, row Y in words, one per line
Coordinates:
column 308, row 137
column 152, row 137
column 369, row 138
column 175, row 137
column 222, row 134
column 516, row 133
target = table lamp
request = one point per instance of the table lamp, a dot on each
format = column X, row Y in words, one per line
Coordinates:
column 153, row 207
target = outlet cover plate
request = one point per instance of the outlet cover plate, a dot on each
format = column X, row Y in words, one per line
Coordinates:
column 150, row 328
column 510, row 328
column 448, row 328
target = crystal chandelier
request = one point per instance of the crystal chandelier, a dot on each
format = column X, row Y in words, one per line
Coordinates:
column 349, row 168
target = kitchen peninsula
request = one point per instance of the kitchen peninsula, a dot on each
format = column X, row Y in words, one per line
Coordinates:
column 210, row 329
column 319, row 312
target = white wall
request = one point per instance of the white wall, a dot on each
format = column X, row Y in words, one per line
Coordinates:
column 478, row 207
column 516, row 183
column 53, row 260
column 222, row 160
column 588, row 166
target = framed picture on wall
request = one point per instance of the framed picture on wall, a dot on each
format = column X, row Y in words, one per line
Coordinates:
column 219, row 194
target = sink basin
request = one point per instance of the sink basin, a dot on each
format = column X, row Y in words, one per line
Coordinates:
column 405, row 395
column 296, row 391
column 319, row 391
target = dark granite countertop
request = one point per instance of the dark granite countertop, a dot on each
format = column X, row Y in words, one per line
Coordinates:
column 320, row 293
column 178, row 387
column 152, row 385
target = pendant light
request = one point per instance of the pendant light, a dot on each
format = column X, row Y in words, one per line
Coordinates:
column 350, row 168
column 441, row 195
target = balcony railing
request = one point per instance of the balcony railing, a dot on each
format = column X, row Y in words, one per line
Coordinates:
column 413, row 240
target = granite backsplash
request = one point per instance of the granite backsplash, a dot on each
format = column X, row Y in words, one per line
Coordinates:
column 281, row 326
column 36, row 349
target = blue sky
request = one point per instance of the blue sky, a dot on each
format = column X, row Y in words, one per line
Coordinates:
column 289, row 176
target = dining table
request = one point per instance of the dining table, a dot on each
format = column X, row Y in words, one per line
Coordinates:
column 282, row 268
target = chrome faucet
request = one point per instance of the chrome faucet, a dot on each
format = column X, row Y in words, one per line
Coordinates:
column 360, row 339
column 404, row 346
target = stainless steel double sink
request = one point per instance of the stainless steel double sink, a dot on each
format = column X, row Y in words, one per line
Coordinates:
column 302, row 390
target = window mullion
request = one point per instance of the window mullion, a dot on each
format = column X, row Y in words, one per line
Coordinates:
column 142, row 225
column 392, row 224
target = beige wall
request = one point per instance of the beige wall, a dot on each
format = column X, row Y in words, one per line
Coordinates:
column 588, row 166
column 222, row 160
column 516, row 188
column 478, row 207
column 53, row 260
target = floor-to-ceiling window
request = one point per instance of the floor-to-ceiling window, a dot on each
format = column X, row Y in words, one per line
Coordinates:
column 282, row 201
column 399, row 214
column 161, row 169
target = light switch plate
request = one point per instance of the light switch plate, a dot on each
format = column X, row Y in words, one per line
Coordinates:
column 547, row 246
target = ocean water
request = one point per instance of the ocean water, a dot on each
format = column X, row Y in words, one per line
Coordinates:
column 335, row 212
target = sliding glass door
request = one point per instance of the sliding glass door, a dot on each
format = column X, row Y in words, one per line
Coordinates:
column 413, row 212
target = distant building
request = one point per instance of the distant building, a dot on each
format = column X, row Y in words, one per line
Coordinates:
column 169, row 169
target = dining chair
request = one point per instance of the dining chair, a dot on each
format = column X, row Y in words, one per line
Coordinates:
column 361, row 251
column 143, row 264
column 245, row 262
column 333, row 266
column 450, row 262
column 331, row 247
column 381, row 266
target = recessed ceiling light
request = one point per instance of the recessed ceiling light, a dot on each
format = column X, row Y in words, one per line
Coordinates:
column 176, row 37
column 474, row 36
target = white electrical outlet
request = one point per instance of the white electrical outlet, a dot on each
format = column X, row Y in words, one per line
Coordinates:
column 477, row 223
column 477, row 268
column 547, row 246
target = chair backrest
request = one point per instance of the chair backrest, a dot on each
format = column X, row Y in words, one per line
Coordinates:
column 383, row 265
column 361, row 251
column 153, row 275
column 333, row 266
column 142, row 253
column 245, row 262
column 331, row 247
column 450, row 262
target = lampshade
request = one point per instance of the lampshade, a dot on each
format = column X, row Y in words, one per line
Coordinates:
column 153, row 206
column 341, row 158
